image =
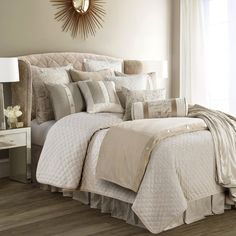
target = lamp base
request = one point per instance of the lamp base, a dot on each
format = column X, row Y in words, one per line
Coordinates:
column 2, row 117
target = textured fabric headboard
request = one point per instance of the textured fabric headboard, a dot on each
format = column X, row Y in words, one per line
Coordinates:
column 22, row 91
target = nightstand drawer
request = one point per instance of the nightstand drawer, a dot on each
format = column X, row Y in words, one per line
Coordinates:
column 13, row 140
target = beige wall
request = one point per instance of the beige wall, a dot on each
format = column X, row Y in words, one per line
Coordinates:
column 133, row 29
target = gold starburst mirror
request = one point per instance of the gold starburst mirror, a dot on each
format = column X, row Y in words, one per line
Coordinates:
column 80, row 16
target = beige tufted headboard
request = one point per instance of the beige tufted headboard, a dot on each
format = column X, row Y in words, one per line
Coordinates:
column 22, row 91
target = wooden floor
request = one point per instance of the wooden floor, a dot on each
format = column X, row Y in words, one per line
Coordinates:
column 27, row 210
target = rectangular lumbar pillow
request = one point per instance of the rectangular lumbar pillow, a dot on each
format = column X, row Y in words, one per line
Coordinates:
column 97, row 65
column 133, row 96
column 66, row 99
column 77, row 75
column 40, row 76
column 100, row 96
column 177, row 107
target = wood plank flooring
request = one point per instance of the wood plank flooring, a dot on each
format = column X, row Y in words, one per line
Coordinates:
column 27, row 210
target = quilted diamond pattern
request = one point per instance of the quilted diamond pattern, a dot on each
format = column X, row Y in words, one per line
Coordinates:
column 63, row 59
column 181, row 168
column 63, row 154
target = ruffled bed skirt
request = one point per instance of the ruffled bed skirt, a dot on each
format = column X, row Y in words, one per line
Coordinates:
column 197, row 210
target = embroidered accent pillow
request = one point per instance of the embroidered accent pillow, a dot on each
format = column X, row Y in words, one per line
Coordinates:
column 131, row 82
column 133, row 96
column 77, row 75
column 177, row 107
column 100, row 96
column 97, row 65
column 66, row 99
column 40, row 76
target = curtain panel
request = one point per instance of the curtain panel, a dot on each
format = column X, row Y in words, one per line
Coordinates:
column 208, row 53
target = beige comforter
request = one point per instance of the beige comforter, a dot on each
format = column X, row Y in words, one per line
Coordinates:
column 126, row 148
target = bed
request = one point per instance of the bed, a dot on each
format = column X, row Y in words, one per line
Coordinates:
column 185, row 194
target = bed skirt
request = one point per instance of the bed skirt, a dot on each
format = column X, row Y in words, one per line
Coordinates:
column 197, row 210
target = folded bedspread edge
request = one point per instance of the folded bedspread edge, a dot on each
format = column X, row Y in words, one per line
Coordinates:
column 127, row 147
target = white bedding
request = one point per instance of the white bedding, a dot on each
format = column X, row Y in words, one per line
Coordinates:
column 181, row 168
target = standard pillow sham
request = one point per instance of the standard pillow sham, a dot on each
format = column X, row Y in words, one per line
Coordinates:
column 97, row 65
column 151, row 80
column 77, row 75
column 66, row 99
column 100, row 96
column 176, row 107
column 40, row 76
column 133, row 96
column 131, row 82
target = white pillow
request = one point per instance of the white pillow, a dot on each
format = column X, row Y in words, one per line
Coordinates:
column 97, row 65
column 100, row 96
column 132, row 82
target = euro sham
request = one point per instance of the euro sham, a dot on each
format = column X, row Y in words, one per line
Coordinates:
column 40, row 76
column 97, row 65
column 131, row 82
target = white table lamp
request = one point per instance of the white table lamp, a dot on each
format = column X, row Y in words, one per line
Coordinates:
column 160, row 68
column 9, row 72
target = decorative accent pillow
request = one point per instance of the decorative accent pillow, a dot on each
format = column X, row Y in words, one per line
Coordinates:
column 97, row 65
column 151, row 80
column 77, row 75
column 131, row 82
column 100, row 96
column 66, row 99
column 176, row 107
column 133, row 96
column 40, row 76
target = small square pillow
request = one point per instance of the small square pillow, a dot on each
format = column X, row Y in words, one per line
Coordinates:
column 77, row 75
column 131, row 82
column 133, row 96
column 66, row 99
column 100, row 96
column 176, row 107
column 40, row 76
column 97, row 65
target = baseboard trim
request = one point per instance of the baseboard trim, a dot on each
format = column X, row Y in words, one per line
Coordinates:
column 4, row 168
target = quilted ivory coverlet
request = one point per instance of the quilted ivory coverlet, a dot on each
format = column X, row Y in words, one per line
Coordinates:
column 181, row 168
column 131, row 143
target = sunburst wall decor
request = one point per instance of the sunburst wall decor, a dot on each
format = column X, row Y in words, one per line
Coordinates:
column 80, row 16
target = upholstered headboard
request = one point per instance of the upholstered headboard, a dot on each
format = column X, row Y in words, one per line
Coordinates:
column 22, row 91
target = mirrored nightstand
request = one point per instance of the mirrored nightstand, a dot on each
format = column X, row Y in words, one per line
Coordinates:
column 18, row 141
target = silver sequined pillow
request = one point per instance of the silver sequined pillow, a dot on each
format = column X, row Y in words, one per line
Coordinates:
column 40, row 76
column 97, row 65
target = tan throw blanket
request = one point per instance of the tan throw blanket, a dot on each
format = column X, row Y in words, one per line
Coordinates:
column 126, row 148
column 223, row 131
